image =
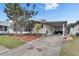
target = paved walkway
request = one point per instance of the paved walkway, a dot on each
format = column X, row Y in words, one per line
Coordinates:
column 3, row 49
column 48, row 46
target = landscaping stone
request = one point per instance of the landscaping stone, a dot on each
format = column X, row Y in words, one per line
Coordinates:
column 68, row 38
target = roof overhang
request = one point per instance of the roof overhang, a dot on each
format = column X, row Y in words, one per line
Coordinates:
column 4, row 23
column 54, row 23
column 57, row 24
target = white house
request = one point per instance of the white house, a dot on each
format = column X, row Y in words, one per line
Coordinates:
column 48, row 28
column 51, row 28
column 4, row 27
column 74, row 29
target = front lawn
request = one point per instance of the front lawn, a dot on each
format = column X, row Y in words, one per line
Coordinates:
column 9, row 41
column 70, row 48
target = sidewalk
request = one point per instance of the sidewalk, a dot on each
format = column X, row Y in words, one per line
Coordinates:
column 3, row 49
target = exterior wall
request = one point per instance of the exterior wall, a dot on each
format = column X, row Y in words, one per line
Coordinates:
column 49, row 30
column 3, row 24
column 3, row 30
column 45, row 30
column 41, row 31
column 74, row 30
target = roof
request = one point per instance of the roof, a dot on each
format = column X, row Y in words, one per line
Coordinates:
column 54, row 23
column 4, row 23
column 74, row 24
column 57, row 23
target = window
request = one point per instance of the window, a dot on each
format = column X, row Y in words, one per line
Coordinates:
column 5, row 28
column 1, row 27
column 14, row 28
column 27, row 28
column 42, row 25
column 78, row 29
column 51, row 28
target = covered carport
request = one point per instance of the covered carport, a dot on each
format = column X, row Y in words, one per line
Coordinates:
column 58, row 27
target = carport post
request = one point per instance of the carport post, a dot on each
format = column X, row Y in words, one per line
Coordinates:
column 63, row 30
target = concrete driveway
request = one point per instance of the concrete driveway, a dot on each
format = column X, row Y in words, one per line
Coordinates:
column 47, row 46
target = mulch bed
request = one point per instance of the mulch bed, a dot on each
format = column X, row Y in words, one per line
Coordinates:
column 27, row 38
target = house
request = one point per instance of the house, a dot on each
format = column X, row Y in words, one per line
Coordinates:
column 48, row 28
column 74, row 29
column 51, row 28
column 4, row 27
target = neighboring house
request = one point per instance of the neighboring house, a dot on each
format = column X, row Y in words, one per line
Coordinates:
column 74, row 29
column 48, row 28
column 4, row 27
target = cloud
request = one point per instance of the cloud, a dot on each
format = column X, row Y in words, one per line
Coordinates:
column 49, row 6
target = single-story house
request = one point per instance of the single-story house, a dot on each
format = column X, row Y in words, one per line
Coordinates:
column 48, row 28
column 4, row 26
column 74, row 29
column 53, row 27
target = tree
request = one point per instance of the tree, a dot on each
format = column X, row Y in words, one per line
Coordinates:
column 27, row 14
column 20, row 16
column 69, row 26
column 37, row 27
column 14, row 11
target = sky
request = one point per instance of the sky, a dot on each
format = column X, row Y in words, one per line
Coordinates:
column 51, row 12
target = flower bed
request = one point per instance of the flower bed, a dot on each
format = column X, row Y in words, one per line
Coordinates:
column 28, row 37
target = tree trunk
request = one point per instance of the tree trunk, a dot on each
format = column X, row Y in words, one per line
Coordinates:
column 17, row 28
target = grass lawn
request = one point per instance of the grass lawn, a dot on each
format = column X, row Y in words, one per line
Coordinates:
column 70, row 48
column 9, row 41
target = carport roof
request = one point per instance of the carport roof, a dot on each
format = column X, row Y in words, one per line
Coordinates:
column 57, row 23
column 54, row 23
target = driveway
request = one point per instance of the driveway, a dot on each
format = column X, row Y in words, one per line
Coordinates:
column 47, row 46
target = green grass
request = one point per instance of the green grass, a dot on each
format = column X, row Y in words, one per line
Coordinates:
column 9, row 41
column 70, row 48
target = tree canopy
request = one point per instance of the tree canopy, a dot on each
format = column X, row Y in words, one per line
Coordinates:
column 20, row 15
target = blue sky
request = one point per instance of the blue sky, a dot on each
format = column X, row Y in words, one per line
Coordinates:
column 51, row 12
